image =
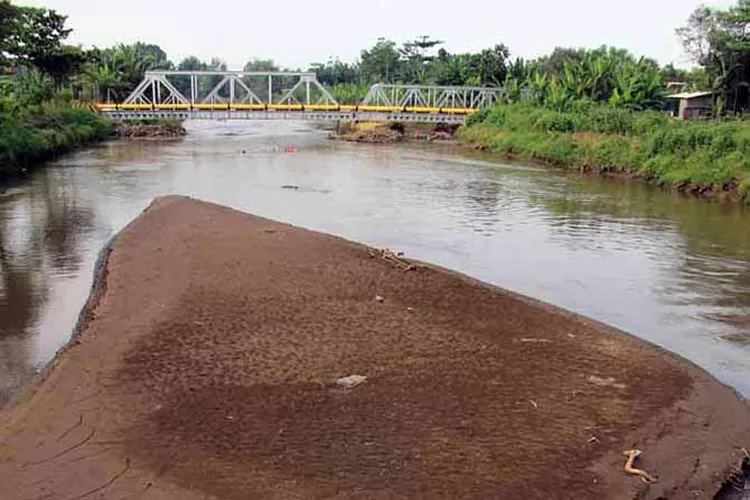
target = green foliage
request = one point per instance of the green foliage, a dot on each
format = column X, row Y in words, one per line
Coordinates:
column 603, row 138
column 116, row 71
column 62, row 63
column 45, row 130
column 568, row 77
column 348, row 93
column 719, row 41
column 29, row 35
column 382, row 62
column 335, row 72
column 582, row 116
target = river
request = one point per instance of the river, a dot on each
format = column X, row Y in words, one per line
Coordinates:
column 670, row 269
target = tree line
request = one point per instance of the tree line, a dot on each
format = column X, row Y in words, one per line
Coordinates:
column 32, row 43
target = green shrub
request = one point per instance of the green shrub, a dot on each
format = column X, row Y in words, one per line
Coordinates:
column 40, row 131
column 606, row 138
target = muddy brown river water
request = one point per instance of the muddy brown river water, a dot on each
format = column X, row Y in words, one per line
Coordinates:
column 670, row 269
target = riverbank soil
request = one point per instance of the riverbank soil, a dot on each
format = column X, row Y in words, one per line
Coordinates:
column 149, row 128
column 208, row 365
column 387, row 133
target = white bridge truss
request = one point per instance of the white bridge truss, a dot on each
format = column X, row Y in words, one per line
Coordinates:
column 432, row 96
column 211, row 87
column 254, row 95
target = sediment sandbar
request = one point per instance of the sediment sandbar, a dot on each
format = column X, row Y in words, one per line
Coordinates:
column 210, row 358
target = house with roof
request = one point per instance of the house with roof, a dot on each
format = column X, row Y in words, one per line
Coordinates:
column 689, row 105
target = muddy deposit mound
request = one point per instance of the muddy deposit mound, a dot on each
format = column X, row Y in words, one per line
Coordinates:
column 149, row 129
column 223, row 355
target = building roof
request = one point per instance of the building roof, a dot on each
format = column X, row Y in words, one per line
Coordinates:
column 689, row 95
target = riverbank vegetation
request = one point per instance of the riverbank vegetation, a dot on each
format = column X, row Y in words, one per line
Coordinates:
column 37, row 133
column 601, row 109
column 703, row 158
column 605, row 111
column 38, row 118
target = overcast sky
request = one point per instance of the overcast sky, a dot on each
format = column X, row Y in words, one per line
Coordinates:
column 297, row 32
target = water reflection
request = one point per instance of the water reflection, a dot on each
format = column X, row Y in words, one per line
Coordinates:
column 483, row 203
column 707, row 275
column 672, row 270
column 42, row 227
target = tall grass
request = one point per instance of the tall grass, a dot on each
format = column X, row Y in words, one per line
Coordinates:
column 602, row 138
column 40, row 132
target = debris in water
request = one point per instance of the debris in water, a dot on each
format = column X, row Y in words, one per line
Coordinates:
column 378, row 298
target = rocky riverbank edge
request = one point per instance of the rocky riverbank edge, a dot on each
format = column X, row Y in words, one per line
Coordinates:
column 127, row 129
column 393, row 132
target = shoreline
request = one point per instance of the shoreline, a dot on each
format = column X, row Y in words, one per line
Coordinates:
column 149, row 129
column 112, row 130
column 625, row 174
column 702, row 159
column 393, row 132
column 384, row 134
column 100, row 291
column 35, row 139
column 730, row 193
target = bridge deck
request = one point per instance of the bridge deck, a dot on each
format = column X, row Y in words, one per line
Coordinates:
column 315, row 112
column 234, row 114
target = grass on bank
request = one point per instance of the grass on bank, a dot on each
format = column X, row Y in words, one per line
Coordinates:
column 606, row 139
column 40, row 132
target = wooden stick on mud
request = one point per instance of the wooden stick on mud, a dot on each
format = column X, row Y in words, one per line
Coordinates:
column 387, row 254
column 645, row 476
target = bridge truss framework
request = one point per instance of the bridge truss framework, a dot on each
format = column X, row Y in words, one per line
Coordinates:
column 252, row 95
column 160, row 87
column 432, row 96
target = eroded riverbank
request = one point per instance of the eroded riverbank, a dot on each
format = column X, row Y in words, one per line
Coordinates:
column 128, row 129
column 389, row 133
column 228, row 366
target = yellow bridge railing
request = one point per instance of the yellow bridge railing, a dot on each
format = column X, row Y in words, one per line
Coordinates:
column 354, row 108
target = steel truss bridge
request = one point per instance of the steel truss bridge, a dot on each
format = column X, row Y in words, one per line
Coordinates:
column 243, row 95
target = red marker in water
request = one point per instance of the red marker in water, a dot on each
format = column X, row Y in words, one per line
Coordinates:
column 289, row 149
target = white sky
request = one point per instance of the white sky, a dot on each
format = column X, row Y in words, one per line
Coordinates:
column 295, row 33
